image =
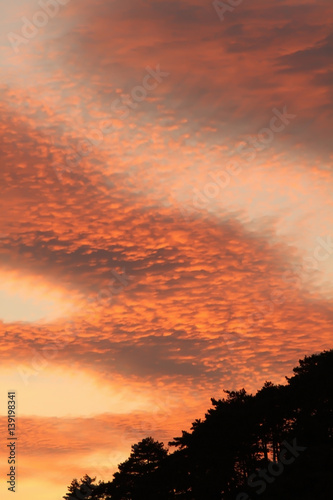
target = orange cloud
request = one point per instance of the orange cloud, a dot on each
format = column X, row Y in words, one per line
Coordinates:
column 179, row 220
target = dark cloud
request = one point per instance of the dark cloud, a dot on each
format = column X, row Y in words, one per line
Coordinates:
column 316, row 57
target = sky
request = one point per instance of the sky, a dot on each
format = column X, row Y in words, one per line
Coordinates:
column 166, row 218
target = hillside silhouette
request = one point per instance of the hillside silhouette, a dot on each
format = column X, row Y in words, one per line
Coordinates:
column 274, row 445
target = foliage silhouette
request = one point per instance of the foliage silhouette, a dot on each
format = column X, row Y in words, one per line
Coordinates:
column 273, row 445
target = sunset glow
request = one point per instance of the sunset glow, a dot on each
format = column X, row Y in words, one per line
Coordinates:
column 166, row 218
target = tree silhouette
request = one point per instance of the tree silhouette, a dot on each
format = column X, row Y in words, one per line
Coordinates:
column 140, row 476
column 284, row 428
column 81, row 490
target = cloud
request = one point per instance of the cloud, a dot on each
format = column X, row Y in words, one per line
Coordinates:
column 310, row 59
column 188, row 262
